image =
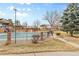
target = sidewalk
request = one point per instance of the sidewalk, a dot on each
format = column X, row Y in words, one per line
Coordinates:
column 64, row 40
column 48, row 54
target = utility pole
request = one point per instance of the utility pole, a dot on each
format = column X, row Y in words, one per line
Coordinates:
column 15, row 23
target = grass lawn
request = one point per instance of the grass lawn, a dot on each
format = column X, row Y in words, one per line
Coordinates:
column 46, row 46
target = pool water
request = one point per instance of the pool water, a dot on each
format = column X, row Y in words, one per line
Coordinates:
column 19, row 35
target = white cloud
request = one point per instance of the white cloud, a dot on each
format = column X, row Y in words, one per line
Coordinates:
column 23, row 14
column 23, row 9
column 18, row 9
column 20, row 16
column 28, row 9
column 11, row 8
column 28, row 3
column 21, row 3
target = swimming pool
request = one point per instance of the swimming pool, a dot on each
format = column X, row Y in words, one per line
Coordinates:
column 19, row 35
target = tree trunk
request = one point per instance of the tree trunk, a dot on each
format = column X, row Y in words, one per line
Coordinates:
column 42, row 36
column 8, row 38
column 67, row 32
column 71, row 33
column 48, row 34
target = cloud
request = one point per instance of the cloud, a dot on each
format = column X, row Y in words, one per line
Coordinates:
column 18, row 9
column 28, row 3
column 23, row 9
column 21, row 3
column 23, row 14
column 11, row 8
column 28, row 9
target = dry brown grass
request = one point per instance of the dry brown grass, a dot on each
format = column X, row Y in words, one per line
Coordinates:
column 50, row 45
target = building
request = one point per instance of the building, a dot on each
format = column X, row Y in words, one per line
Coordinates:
column 46, row 27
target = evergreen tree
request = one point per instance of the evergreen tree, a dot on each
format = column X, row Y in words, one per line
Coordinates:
column 70, row 18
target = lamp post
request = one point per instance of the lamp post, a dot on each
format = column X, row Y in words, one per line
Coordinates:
column 15, row 23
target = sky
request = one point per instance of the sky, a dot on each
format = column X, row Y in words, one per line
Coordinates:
column 29, row 12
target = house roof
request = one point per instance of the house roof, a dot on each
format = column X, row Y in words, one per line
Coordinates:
column 3, row 21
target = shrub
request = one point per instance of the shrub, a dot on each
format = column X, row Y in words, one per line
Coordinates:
column 57, row 33
column 35, row 39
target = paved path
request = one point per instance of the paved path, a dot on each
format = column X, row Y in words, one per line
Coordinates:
column 49, row 54
column 64, row 40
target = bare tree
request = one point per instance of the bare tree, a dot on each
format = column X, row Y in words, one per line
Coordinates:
column 36, row 24
column 18, row 22
column 25, row 24
column 52, row 18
